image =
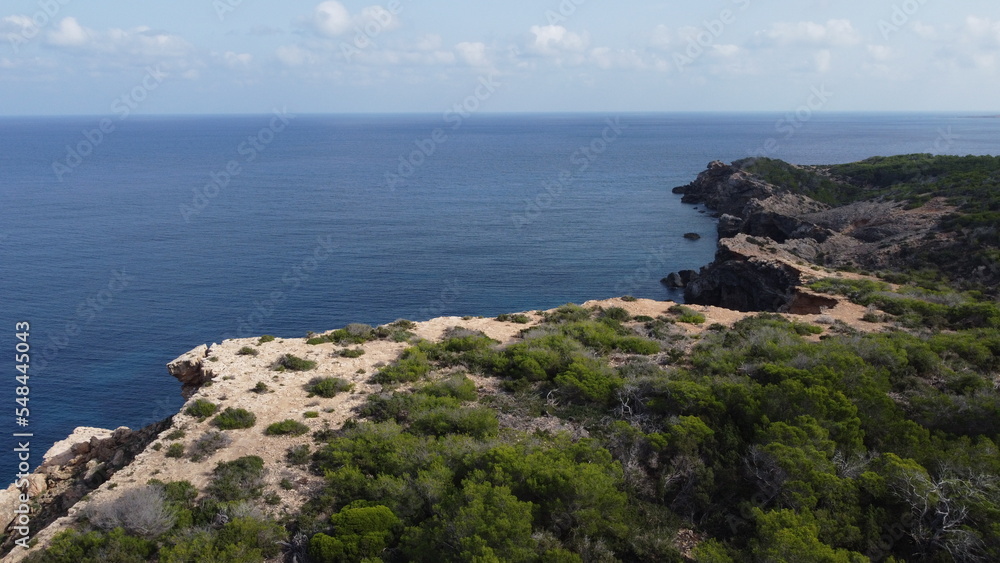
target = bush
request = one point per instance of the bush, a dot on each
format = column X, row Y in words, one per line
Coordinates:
column 176, row 435
column 629, row 299
column 329, row 387
column 458, row 386
column 201, row 409
column 142, row 511
column 589, row 379
column 310, row 414
column 264, row 339
column 208, row 444
column 175, row 450
column 568, row 313
column 255, row 533
column 517, row 318
column 616, row 314
column 356, row 353
column 298, row 455
column 247, row 351
column 70, row 546
column 412, row 366
column 260, row 388
column 240, row 479
column 294, row 363
column 354, row 333
column 687, row 315
column 234, row 419
column 287, row 428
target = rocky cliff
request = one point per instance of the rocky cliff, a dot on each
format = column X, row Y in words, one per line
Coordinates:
column 772, row 239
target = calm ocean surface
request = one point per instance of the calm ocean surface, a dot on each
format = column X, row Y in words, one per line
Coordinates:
column 135, row 256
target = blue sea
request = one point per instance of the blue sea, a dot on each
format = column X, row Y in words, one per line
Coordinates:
column 126, row 242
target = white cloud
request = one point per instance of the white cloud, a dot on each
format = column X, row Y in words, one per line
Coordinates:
column 556, row 39
column 881, row 53
column 662, row 38
column 234, row 60
column 293, row 55
column 473, row 54
column 983, row 30
column 69, row 33
column 606, row 59
column 333, row 19
column 138, row 43
column 834, row 33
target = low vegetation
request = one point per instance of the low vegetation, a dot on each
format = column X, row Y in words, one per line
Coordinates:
column 235, row 419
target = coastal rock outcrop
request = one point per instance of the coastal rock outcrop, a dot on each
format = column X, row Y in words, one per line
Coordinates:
column 191, row 371
column 72, row 468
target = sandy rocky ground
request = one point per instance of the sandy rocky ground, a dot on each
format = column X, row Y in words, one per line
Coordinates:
column 235, row 375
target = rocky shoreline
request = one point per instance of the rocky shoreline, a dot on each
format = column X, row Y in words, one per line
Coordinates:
column 771, row 240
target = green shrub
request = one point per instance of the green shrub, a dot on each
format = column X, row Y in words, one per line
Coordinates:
column 616, row 314
column 287, row 428
column 412, row 366
column 355, row 353
column 457, row 386
column 310, row 414
column 588, row 379
column 294, row 363
column 240, row 479
column 629, row 299
column 264, row 339
column 514, row 318
column 329, row 387
column 247, row 351
column 253, row 533
column 298, row 455
column 687, row 315
column 568, row 313
column 176, row 435
column 478, row 422
column 175, row 450
column 201, row 409
column 260, row 388
column 361, row 533
column 234, row 419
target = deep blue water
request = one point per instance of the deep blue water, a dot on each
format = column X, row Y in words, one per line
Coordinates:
column 309, row 235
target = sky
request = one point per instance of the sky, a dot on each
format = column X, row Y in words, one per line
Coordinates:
column 80, row 57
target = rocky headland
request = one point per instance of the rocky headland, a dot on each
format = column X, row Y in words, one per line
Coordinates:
column 772, row 240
